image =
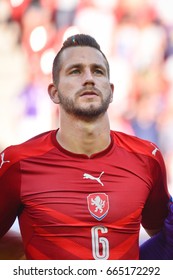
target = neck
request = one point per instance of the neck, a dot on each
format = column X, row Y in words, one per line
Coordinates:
column 84, row 137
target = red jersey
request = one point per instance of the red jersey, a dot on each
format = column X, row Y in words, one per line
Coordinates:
column 71, row 206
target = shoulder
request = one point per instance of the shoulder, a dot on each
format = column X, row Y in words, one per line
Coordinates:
column 33, row 147
column 136, row 145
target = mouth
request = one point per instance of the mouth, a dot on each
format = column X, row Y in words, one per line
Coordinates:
column 89, row 93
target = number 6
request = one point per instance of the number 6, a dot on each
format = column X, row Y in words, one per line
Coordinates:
column 100, row 245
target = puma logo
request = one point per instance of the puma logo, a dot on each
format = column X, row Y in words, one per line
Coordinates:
column 2, row 160
column 98, row 179
column 155, row 150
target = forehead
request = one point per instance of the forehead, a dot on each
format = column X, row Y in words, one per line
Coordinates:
column 82, row 55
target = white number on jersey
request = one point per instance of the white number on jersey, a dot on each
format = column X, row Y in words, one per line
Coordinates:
column 100, row 245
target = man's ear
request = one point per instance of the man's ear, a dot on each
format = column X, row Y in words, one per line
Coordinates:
column 112, row 90
column 53, row 93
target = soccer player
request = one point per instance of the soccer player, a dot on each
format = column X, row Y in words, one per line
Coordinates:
column 81, row 191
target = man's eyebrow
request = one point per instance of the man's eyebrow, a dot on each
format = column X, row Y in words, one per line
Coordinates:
column 74, row 65
column 97, row 65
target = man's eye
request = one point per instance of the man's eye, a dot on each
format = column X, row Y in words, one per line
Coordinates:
column 75, row 71
column 99, row 71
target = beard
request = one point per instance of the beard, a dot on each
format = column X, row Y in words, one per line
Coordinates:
column 88, row 112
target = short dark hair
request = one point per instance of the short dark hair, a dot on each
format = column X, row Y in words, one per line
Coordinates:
column 75, row 40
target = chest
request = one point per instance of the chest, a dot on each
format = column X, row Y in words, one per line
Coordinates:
column 85, row 190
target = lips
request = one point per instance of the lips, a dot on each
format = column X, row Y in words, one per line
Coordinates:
column 89, row 93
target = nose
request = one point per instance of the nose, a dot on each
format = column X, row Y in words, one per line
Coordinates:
column 88, row 77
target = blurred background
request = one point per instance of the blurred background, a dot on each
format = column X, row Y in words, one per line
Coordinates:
column 135, row 35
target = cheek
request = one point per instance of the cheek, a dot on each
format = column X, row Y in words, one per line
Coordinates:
column 65, row 86
column 106, row 88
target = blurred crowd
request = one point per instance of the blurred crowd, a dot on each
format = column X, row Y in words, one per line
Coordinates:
column 135, row 35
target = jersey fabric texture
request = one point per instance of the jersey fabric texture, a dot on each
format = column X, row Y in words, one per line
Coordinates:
column 71, row 206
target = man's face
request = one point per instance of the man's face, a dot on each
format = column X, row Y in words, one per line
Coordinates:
column 84, row 89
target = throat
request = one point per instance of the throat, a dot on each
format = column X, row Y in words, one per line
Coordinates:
column 86, row 145
column 83, row 137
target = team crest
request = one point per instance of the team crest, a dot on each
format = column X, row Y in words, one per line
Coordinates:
column 98, row 205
